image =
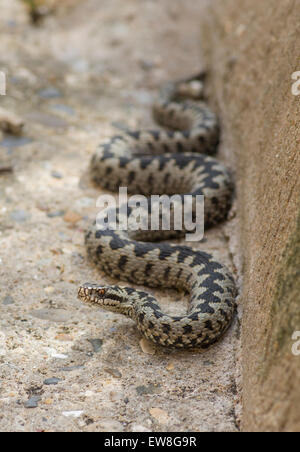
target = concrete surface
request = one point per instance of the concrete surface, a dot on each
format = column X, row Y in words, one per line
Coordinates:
column 252, row 52
column 77, row 78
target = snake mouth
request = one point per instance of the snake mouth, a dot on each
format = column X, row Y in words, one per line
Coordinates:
column 96, row 295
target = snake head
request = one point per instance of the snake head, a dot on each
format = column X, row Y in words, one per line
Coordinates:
column 112, row 298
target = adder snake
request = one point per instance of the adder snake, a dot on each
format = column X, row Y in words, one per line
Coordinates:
column 176, row 160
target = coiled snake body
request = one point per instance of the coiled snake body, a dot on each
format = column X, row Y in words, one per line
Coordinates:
column 156, row 162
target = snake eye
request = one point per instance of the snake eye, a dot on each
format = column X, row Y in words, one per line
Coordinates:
column 101, row 292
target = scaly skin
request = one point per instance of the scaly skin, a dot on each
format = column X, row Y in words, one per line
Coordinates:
column 156, row 162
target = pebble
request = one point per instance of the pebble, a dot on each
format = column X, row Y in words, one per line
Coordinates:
column 96, row 344
column 64, row 109
column 8, row 300
column 74, row 414
column 193, row 89
column 53, row 353
column 23, row 75
column 56, row 175
column 208, row 363
column 170, row 366
column 32, row 402
column 6, row 168
column 64, row 337
column 42, row 207
column 11, row 23
column 72, row 217
column 70, row 368
column 120, row 125
column 56, row 213
column 77, row 257
column 114, row 372
column 14, row 142
column 49, row 93
column 114, row 396
column 89, row 393
column 20, row 216
column 160, row 415
column 147, row 65
column 150, row 389
column 52, row 381
column 147, row 347
column 10, row 122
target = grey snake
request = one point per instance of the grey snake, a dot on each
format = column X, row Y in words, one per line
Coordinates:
column 176, row 160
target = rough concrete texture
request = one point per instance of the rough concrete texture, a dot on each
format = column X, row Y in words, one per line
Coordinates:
column 252, row 51
column 76, row 79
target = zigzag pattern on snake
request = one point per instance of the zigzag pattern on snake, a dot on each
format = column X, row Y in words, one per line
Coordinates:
column 169, row 161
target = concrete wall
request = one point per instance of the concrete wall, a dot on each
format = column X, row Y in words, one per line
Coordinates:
column 252, row 47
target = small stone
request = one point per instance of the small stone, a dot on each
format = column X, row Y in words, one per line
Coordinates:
column 170, row 366
column 53, row 353
column 32, row 402
column 147, row 65
column 70, row 368
column 147, row 347
column 114, row 372
column 89, row 393
column 20, row 216
column 8, row 300
column 6, row 168
column 56, row 175
column 193, row 89
column 114, row 396
column 42, row 207
column 49, row 289
column 74, row 414
column 152, row 388
column 208, row 363
column 64, row 109
column 56, row 213
column 56, row 252
column 52, row 381
column 64, row 337
column 96, row 344
column 10, row 122
column 120, row 125
column 160, row 415
column 49, row 93
column 11, row 142
column 48, row 401
column 72, row 217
